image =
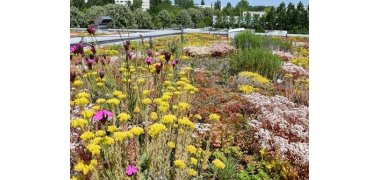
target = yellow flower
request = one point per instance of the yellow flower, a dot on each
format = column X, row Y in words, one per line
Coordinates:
column 186, row 122
column 113, row 101
column 117, row 93
column 124, row 117
column 100, row 133
column 87, row 113
column 179, row 164
column 218, row 164
column 171, row 145
column 108, row 140
column 83, row 95
column 78, row 123
column 112, row 128
column 214, row 117
column 153, row 116
column 166, row 97
column 85, row 169
column 163, row 107
column 95, row 108
column 193, row 161
column 168, row 119
column 94, row 149
column 146, row 101
column 72, row 103
column 145, row 92
column 81, row 101
column 191, row 149
column 121, row 96
column 100, row 84
column 137, row 110
column 188, row 69
column 156, row 129
column 120, row 136
column 247, row 89
column 140, row 80
column 198, row 116
column 191, row 172
column 177, row 93
column 137, row 130
column 87, row 135
column 96, row 140
column 100, row 101
column 78, row 83
column 183, row 106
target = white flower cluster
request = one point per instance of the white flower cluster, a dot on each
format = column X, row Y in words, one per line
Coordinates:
column 295, row 70
column 281, row 125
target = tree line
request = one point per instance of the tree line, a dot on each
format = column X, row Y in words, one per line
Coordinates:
column 162, row 14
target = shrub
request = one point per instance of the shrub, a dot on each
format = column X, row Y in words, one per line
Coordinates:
column 247, row 39
column 261, row 61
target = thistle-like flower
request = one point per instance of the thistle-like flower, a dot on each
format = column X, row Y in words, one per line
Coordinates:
column 148, row 60
column 149, row 52
column 91, row 29
column 102, row 115
column 101, row 73
column 130, row 170
column 89, row 62
column 167, row 56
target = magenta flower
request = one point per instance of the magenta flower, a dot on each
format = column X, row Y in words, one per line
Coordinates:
column 91, row 29
column 93, row 49
column 130, row 170
column 77, row 48
column 149, row 52
column 174, row 63
column 72, row 49
column 167, row 56
column 148, row 61
column 158, row 68
column 89, row 62
column 102, row 115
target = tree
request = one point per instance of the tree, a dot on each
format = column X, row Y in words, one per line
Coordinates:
column 228, row 9
column 78, row 4
column 241, row 6
column 164, row 18
column 122, row 16
column 196, row 15
column 280, row 18
column 143, row 19
column 184, row 18
column 136, row 4
column 202, row 2
column 290, row 19
column 270, row 19
column 218, row 5
column 92, row 13
column 77, row 18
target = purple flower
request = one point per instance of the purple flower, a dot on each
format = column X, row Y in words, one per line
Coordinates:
column 130, row 54
column 78, row 48
column 130, row 170
column 148, row 61
column 158, row 68
column 127, row 45
column 73, row 75
column 72, row 48
column 101, row 73
column 102, row 115
column 149, row 52
column 91, row 29
column 167, row 56
column 89, row 62
column 93, row 49
column 175, row 62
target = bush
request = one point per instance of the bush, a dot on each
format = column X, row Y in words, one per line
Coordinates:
column 247, row 39
column 258, row 60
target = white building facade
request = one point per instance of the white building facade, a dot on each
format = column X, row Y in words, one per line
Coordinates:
column 124, row 2
column 145, row 3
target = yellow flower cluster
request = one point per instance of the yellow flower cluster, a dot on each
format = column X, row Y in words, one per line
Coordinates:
column 255, row 77
column 183, row 106
column 214, row 117
column 156, row 129
column 78, row 123
column 137, row 131
column 171, row 145
column 113, row 101
column 168, row 119
column 247, row 89
column 191, row 149
column 218, row 164
column 87, row 114
column 87, row 135
column 153, row 116
column 100, row 101
column 85, row 169
column 78, row 83
column 179, row 164
column 93, row 148
column 124, row 117
column 100, row 133
column 112, row 129
column 83, row 95
column 192, row 172
column 146, row 101
column 193, row 161
column 95, row 108
column 186, row 122
column 122, row 135
column 81, row 101
column 108, row 140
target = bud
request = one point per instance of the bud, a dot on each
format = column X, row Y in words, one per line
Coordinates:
column 89, row 62
column 127, row 45
column 149, row 52
column 148, row 61
column 73, row 75
column 158, row 68
column 101, row 73
column 91, row 29
column 167, row 56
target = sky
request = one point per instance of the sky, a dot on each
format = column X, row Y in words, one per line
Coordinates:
column 255, row 2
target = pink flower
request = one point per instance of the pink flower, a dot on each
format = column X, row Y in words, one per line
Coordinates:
column 102, row 115
column 91, row 29
column 130, row 170
column 148, row 61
